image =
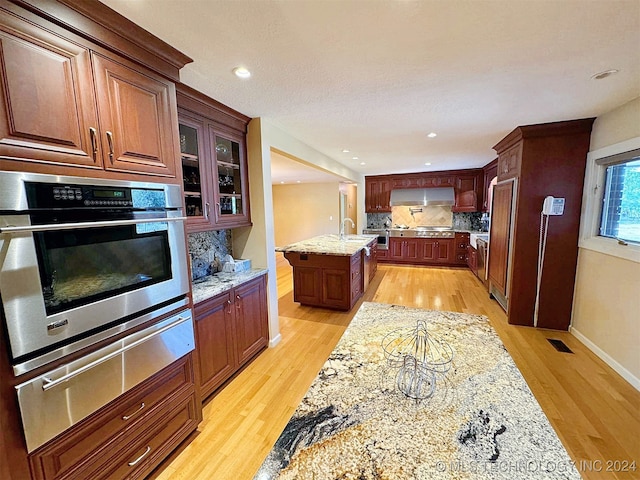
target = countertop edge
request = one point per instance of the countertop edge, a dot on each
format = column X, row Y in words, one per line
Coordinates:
column 222, row 282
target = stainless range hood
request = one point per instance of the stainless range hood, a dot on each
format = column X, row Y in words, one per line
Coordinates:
column 430, row 197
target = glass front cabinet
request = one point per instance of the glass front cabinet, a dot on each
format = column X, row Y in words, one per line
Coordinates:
column 214, row 167
column 229, row 177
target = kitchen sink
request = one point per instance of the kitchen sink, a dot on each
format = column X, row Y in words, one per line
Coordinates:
column 357, row 238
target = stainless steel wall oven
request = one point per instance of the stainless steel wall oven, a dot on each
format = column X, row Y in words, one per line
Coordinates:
column 81, row 261
column 78, row 256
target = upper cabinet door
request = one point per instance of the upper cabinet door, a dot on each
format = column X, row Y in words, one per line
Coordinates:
column 196, row 171
column 48, row 98
column 136, row 121
column 230, row 179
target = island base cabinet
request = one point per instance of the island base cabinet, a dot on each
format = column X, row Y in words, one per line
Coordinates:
column 330, row 281
column 131, row 436
column 231, row 328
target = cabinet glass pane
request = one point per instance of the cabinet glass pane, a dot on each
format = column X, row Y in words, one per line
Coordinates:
column 229, row 176
column 191, row 170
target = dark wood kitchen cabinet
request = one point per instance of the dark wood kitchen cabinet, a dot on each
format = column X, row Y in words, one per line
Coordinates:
column 490, row 171
column 468, row 188
column 500, row 236
column 326, row 280
column 461, row 245
column 95, row 113
column 231, row 328
column 535, row 161
column 377, row 194
column 422, row 251
column 467, row 185
column 130, row 436
column 214, row 162
column 472, row 259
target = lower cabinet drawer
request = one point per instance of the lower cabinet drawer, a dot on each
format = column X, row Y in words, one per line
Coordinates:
column 93, row 445
column 139, row 458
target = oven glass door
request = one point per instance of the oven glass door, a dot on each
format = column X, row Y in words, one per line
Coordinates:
column 84, row 265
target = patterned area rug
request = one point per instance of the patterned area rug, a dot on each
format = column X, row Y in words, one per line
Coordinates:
column 480, row 422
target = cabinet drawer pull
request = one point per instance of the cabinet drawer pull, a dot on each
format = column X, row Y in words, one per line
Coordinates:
column 206, row 210
column 127, row 417
column 110, row 142
column 94, row 143
column 135, row 462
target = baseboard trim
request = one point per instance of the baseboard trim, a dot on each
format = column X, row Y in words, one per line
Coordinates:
column 275, row 341
column 606, row 358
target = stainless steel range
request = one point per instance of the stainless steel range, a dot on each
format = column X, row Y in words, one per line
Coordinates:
column 423, row 232
column 82, row 261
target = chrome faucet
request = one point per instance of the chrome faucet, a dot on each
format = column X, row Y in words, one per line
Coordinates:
column 342, row 226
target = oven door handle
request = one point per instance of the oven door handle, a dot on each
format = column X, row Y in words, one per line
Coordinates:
column 48, row 383
column 76, row 225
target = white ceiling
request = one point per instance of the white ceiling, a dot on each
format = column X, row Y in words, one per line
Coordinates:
column 376, row 76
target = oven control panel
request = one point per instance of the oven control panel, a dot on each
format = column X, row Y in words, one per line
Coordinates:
column 45, row 195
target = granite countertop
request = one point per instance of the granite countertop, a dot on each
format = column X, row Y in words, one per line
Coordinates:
column 330, row 245
column 212, row 285
column 481, row 421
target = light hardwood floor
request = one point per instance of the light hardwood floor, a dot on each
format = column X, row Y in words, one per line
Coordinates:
column 595, row 413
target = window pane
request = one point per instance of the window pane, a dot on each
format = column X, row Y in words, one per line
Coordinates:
column 621, row 203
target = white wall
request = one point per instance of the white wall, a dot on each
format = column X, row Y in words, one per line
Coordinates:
column 304, row 211
column 606, row 312
column 258, row 242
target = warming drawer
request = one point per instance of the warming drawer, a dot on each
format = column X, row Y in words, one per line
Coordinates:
column 57, row 400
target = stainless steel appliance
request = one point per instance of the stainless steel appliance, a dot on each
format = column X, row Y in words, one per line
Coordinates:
column 81, row 257
column 58, row 399
column 423, row 232
column 383, row 236
column 481, row 246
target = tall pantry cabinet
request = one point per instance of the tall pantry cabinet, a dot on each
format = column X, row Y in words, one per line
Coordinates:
column 535, row 161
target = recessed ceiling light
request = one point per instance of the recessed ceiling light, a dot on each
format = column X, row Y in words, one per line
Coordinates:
column 297, row 181
column 344, row 150
column 282, row 182
column 432, row 135
column 605, row 74
column 241, row 72
column 355, row 158
column 362, row 163
column 427, row 163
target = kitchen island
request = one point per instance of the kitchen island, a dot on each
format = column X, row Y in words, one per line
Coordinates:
column 331, row 272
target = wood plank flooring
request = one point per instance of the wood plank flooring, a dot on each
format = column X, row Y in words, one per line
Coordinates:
column 595, row 412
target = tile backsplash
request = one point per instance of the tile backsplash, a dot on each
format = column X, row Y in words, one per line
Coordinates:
column 422, row 216
column 207, row 251
column 467, row 221
column 431, row 216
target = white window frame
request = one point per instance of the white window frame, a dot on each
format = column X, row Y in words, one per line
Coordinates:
column 592, row 204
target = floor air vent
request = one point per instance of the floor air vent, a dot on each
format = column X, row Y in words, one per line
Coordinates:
column 559, row 345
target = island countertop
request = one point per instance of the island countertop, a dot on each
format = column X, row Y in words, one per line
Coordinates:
column 330, row 245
